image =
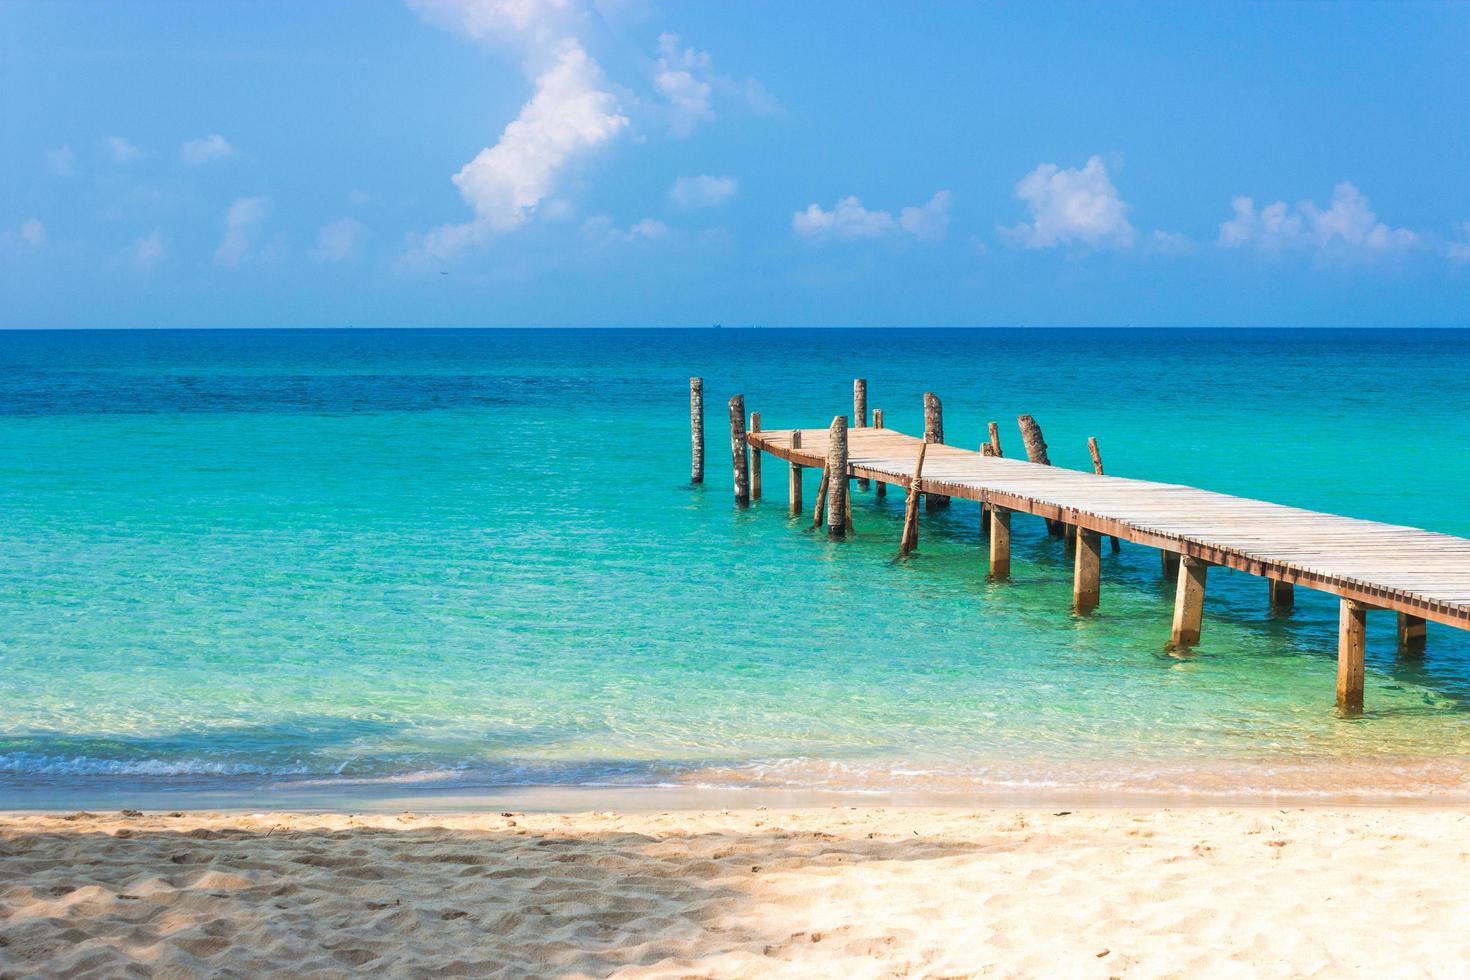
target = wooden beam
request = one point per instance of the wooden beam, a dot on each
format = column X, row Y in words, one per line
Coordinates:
column 934, row 433
column 1189, row 602
column 1352, row 621
column 881, row 488
column 1000, row 543
column 1413, row 635
column 1098, row 469
column 837, row 478
column 755, row 459
column 909, row 539
column 1281, row 594
column 739, row 458
column 860, row 414
column 696, row 430
column 793, row 480
column 1086, row 571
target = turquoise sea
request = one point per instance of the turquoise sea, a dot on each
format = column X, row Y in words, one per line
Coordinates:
column 264, row 558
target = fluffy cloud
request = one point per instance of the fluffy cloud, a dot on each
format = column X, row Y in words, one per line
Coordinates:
column 61, row 162
column 686, row 79
column 338, row 241
column 1071, row 206
column 702, row 191
column 243, row 219
column 206, row 149
column 1347, row 225
column 147, row 252
column 850, row 221
column 121, row 150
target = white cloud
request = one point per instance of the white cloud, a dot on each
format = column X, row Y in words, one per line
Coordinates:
column 122, row 151
column 206, row 149
column 522, row 24
column 702, row 191
column 338, row 241
column 1460, row 251
column 1170, row 242
column 850, row 221
column 686, row 79
column 242, row 223
column 1347, row 225
column 61, row 162
column 147, row 252
column 1071, row 206
column 601, row 230
column 33, row 233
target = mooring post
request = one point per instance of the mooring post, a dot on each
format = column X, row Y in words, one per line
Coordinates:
column 1000, row 543
column 1281, row 594
column 881, row 490
column 1352, row 622
column 1413, row 635
column 738, row 454
column 1086, row 571
column 1097, row 468
column 909, row 539
column 755, row 459
column 1036, row 453
column 860, row 415
column 696, row 430
column 837, row 478
column 1189, row 602
column 934, row 433
column 793, row 480
column 995, row 440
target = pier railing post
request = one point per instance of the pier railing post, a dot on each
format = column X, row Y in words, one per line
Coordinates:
column 793, row 486
column 738, row 455
column 1189, row 602
column 1000, row 543
column 755, row 459
column 934, row 433
column 696, row 430
column 837, row 517
column 881, row 490
column 860, row 414
column 909, row 538
column 1036, row 453
column 1086, row 572
column 1097, row 468
column 1352, row 622
column 1413, row 634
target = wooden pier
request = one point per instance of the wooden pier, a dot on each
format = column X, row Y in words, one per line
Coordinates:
column 1421, row 575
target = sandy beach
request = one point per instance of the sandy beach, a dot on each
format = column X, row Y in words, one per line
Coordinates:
column 840, row 891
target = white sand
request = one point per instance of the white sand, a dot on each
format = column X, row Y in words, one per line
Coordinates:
column 849, row 893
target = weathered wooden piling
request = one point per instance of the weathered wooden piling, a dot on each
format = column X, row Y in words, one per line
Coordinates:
column 985, row 450
column 1086, row 572
column 860, row 415
column 696, row 430
column 934, row 433
column 793, row 480
column 1169, row 564
column 1036, row 453
column 739, row 456
column 995, row 440
column 881, row 490
column 817, row 511
column 837, row 519
column 1098, row 469
column 909, row 538
column 755, row 459
column 1413, row 635
column 1352, row 623
column 1280, row 594
column 1000, row 543
column 1189, row 602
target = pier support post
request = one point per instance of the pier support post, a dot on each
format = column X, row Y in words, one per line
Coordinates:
column 860, row 413
column 934, row 433
column 881, row 490
column 1097, row 468
column 1036, row 453
column 1000, row 543
column 1413, row 635
column 995, row 440
column 985, row 450
column 1086, row 572
column 793, row 480
column 696, row 430
column 909, row 539
column 837, row 478
column 1189, row 602
column 1169, row 564
column 1352, row 621
column 817, row 511
column 739, row 457
column 1282, row 594
column 755, row 459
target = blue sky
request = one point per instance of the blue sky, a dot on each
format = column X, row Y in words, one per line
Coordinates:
column 575, row 162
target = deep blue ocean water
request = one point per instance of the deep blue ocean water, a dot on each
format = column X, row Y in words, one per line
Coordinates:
column 255, row 557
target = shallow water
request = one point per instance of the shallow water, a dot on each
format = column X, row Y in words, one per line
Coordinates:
column 242, row 558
